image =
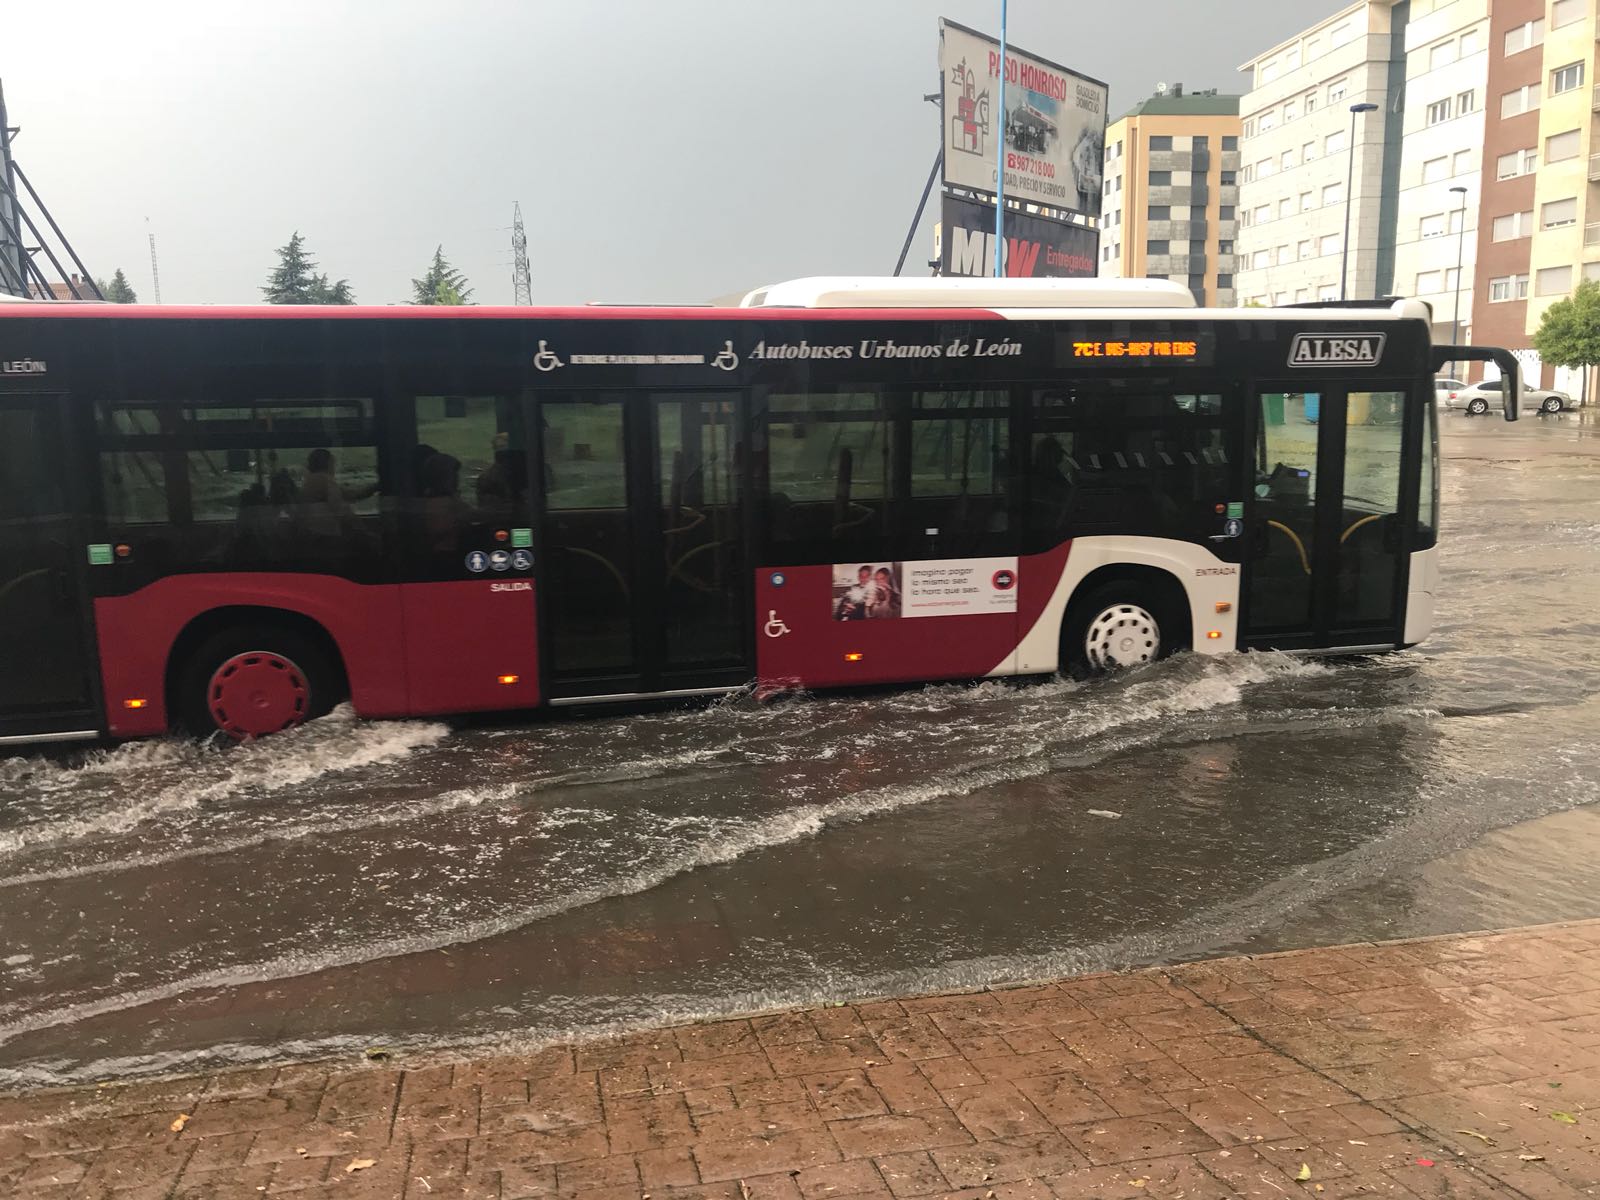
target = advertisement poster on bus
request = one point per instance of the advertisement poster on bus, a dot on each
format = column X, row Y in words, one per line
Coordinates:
column 1036, row 247
column 950, row 587
column 1054, row 131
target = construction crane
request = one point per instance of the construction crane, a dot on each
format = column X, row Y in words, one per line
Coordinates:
column 155, row 271
column 521, row 277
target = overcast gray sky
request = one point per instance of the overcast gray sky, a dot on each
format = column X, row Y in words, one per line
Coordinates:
column 661, row 151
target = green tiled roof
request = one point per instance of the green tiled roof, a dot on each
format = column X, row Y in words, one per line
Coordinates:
column 1185, row 106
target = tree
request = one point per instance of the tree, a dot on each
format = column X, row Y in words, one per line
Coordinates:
column 295, row 279
column 119, row 291
column 1569, row 332
column 442, row 284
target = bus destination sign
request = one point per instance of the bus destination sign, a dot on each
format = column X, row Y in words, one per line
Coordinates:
column 1128, row 349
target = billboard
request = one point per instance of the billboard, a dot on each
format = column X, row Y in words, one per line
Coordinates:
column 1035, row 246
column 1055, row 123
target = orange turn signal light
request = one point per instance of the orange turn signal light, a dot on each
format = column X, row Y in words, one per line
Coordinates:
column 509, row 679
column 1214, row 633
column 854, row 656
column 138, row 702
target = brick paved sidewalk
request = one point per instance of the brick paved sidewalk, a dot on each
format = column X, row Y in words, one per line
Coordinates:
column 1462, row 1066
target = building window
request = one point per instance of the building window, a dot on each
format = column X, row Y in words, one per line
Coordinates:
column 1230, row 143
column 1307, row 201
column 1308, row 152
column 1427, row 283
column 1441, row 55
column 1160, row 143
column 1591, row 270
column 1283, row 256
column 1509, row 287
column 1291, row 110
column 1520, row 100
column 1461, row 163
column 1200, row 141
column 1159, row 212
column 1301, row 295
column 1559, row 147
column 1224, row 281
column 1226, row 212
column 1435, row 169
column 1249, row 172
column 1466, row 102
column 1261, row 260
column 1559, row 213
column 1339, row 35
column 1512, row 226
column 1267, row 121
column 1225, row 246
column 1160, row 178
column 1285, row 208
column 1332, row 243
column 1265, row 169
column 1518, row 162
column 1439, row 111
column 1333, row 194
column 1327, row 292
column 1311, row 103
column 1337, row 89
column 1286, row 160
column 1564, row 79
column 1565, row 12
column 1525, row 37
column 1432, row 226
column 1303, row 250
column 1230, row 178
column 1335, row 143
column 1262, row 214
column 1249, row 128
column 1158, row 246
column 1553, row 281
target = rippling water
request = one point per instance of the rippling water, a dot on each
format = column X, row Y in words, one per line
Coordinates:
column 164, row 904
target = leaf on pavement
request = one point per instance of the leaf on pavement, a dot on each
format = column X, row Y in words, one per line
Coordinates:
column 1305, row 1172
column 359, row 1164
column 179, row 1122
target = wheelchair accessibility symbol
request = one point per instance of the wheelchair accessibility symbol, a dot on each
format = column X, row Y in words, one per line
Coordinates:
column 775, row 628
column 546, row 359
column 726, row 359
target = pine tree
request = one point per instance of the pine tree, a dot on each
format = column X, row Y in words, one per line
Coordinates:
column 295, row 281
column 442, row 284
column 119, row 291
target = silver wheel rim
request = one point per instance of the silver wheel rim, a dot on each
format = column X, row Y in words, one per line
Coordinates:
column 1123, row 635
column 1477, row 406
column 1551, row 404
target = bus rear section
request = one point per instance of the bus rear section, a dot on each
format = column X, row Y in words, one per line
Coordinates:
column 228, row 522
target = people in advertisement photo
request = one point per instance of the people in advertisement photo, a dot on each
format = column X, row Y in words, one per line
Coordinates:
column 866, row 591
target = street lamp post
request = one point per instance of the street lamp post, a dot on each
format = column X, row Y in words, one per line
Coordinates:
column 1349, row 182
column 1461, row 238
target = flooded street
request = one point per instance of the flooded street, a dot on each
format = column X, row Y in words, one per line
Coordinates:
column 168, row 906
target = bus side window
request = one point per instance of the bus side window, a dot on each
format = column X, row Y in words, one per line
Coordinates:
column 467, row 469
column 959, row 460
column 829, row 465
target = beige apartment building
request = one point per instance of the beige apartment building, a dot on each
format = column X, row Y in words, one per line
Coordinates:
column 1171, row 193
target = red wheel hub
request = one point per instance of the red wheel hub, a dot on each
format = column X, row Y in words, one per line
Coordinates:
column 256, row 693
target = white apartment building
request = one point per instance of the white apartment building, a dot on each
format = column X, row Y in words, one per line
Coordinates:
column 1436, row 225
column 1300, row 172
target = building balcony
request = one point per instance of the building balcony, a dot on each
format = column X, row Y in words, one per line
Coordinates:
column 1591, row 234
column 1594, row 102
column 1230, row 160
column 1167, row 160
column 1594, row 168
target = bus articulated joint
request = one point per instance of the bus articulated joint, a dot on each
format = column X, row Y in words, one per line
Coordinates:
column 1510, row 372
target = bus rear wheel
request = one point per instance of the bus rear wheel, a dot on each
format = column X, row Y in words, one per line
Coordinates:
column 1115, row 626
column 248, row 683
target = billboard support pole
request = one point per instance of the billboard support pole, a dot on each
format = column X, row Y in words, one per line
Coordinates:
column 1000, row 160
column 927, row 189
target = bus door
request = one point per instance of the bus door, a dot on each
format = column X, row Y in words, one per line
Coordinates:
column 1327, row 522
column 644, row 581
column 47, row 678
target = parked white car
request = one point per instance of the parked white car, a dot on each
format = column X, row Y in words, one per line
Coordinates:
column 1477, row 398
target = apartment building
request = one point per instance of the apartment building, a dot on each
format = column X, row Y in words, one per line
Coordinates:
column 1170, row 206
column 1539, row 233
column 1310, row 164
column 1446, row 64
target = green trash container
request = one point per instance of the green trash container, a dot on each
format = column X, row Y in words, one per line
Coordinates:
column 1272, row 407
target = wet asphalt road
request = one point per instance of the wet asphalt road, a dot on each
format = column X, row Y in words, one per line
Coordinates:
column 166, row 906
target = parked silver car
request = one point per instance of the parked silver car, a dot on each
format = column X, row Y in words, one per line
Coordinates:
column 1478, row 397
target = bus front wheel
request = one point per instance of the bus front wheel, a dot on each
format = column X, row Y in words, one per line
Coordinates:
column 247, row 683
column 1115, row 626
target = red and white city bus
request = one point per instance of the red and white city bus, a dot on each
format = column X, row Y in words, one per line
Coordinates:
column 233, row 518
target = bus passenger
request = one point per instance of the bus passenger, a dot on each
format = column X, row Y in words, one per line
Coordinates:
column 324, row 502
column 443, row 510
